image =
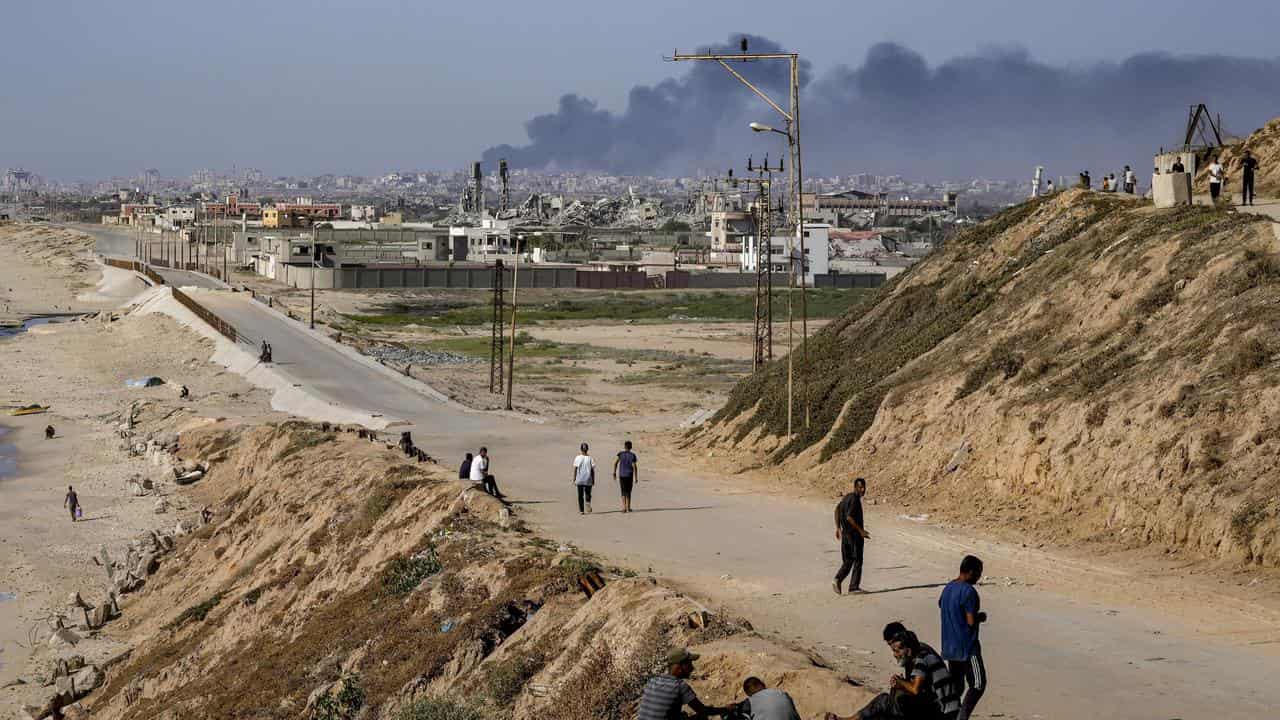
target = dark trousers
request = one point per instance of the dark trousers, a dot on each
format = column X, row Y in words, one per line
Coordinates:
column 1246, row 189
column 1215, row 189
column 851, row 559
column 491, row 485
column 584, row 496
column 886, row 705
column 974, row 673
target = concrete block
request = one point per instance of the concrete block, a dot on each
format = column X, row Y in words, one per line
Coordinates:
column 1171, row 190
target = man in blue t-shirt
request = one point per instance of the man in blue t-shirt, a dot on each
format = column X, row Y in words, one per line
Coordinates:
column 962, row 614
column 626, row 470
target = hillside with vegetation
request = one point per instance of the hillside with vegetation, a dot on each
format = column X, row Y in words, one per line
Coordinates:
column 1082, row 366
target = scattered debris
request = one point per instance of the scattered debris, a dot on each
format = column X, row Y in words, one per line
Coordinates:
column 149, row 381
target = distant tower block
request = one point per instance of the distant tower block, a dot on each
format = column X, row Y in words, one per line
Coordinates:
column 477, row 184
column 504, row 200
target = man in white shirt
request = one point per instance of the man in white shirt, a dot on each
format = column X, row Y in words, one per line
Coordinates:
column 584, row 477
column 480, row 473
column 1216, row 175
column 1130, row 180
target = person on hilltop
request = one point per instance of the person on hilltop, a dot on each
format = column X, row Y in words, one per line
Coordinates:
column 464, row 471
column 1130, row 180
column 1217, row 174
column 852, row 536
column 584, row 477
column 1248, row 166
column 626, row 470
column 961, row 611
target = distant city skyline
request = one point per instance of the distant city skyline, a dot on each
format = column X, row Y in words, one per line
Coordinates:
column 990, row 88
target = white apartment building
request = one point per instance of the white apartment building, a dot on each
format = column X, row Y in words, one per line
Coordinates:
column 817, row 252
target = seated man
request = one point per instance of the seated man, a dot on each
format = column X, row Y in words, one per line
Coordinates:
column 665, row 695
column 925, row 690
column 764, row 703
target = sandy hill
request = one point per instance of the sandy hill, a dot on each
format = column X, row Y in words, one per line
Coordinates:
column 335, row 579
column 1078, row 367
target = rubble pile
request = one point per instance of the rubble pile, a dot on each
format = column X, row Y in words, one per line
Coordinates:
column 401, row 355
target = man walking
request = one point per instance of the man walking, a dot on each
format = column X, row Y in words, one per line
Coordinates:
column 1130, row 180
column 665, row 695
column 584, row 477
column 961, row 616
column 626, row 470
column 72, row 503
column 1247, row 167
column 1216, row 174
column 851, row 534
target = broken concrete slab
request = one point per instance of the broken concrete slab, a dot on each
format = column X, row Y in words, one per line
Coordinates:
column 63, row 637
column 86, row 680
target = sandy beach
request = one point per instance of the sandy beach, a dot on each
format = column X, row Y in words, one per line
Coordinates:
column 44, row 557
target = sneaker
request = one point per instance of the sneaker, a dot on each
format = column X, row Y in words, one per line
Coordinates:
column 835, row 585
column 588, row 508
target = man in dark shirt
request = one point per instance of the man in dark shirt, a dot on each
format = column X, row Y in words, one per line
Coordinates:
column 626, row 469
column 851, row 534
column 1248, row 164
column 464, row 472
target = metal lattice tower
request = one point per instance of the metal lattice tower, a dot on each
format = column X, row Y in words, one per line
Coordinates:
column 497, row 343
column 764, row 260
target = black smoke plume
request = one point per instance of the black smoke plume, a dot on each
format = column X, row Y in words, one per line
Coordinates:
column 995, row 113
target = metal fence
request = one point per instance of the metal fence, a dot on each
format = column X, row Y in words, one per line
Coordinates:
column 214, row 321
column 217, row 323
column 135, row 267
column 682, row 279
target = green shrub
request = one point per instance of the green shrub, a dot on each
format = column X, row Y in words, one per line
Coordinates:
column 195, row 613
column 403, row 574
column 343, row 705
column 506, row 679
column 1249, row 357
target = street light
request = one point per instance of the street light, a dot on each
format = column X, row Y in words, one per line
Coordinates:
column 761, row 127
column 798, row 214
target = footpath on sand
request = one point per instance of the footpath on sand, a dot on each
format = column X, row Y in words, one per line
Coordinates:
column 1060, row 629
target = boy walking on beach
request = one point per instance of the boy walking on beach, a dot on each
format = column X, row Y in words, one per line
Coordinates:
column 626, row 470
column 71, row 502
column 584, row 477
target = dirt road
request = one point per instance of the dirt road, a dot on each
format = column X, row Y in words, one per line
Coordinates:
column 1063, row 631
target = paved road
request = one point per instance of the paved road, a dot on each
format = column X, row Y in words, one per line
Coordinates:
column 1053, row 648
column 117, row 242
column 1059, row 643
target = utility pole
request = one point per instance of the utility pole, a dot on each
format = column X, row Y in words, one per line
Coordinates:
column 796, row 186
column 511, row 356
column 497, row 341
column 315, row 253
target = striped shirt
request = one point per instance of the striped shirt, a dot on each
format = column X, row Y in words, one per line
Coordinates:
column 938, row 683
column 664, row 695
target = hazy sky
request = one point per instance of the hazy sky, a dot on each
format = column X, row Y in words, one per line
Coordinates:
column 91, row 89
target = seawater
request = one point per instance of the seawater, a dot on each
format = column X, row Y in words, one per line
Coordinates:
column 8, row 456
